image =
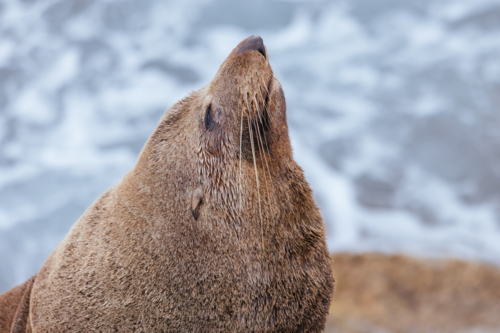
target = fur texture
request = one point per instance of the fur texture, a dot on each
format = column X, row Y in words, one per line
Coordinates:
column 253, row 259
column 14, row 306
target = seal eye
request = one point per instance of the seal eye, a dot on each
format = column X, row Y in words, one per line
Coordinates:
column 209, row 123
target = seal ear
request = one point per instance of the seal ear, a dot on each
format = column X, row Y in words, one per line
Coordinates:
column 196, row 201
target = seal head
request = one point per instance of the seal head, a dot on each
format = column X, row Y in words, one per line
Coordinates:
column 214, row 229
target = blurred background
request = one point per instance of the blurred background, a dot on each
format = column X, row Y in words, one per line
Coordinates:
column 392, row 108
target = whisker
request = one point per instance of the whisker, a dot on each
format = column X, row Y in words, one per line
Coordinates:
column 264, row 84
column 275, row 66
column 256, row 173
column 261, row 148
column 260, row 142
column 267, row 145
column 241, row 151
column 269, row 115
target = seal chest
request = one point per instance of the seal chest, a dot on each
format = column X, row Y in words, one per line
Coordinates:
column 214, row 229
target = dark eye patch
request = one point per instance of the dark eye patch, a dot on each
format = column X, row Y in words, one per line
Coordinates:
column 209, row 122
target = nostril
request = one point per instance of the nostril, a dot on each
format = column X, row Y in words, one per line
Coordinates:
column 254, row 43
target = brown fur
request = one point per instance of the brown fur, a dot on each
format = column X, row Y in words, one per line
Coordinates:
column 14, row 306
column 255, row 259
column 402, row 294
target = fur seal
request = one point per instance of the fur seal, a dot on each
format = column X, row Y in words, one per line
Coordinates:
column 214, row 229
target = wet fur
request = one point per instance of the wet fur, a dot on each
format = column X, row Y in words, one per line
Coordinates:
column 255, row 259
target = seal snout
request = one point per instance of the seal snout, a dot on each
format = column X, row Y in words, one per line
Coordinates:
column 253, row 43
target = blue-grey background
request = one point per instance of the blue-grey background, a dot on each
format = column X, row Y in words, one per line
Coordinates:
column 393, row 111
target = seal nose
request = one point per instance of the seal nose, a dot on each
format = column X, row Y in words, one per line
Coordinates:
column 254, row 43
